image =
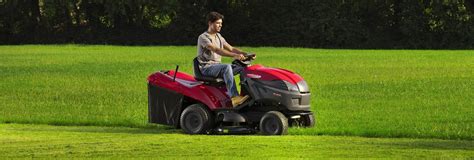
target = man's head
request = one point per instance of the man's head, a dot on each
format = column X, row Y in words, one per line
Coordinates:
column 214, row 21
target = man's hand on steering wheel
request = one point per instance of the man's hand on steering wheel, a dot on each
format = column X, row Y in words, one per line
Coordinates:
column 253, row 57
column 239, row 57
column 250, row 56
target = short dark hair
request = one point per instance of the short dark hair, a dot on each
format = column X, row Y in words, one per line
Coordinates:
column 214, row 16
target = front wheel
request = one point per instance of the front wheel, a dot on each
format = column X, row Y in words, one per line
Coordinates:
column 196, row 119
column 308, row 120
column 274, row 123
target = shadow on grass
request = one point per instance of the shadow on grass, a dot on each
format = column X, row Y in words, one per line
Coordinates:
column 149, row 129
column 137, row 129
column 133, row 129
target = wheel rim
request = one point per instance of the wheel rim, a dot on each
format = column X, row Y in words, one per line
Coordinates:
column 271, row 126
column 193, row 122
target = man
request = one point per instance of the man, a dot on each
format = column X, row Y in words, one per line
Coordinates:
column 210, row 47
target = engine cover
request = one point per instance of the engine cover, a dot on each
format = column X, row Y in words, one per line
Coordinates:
column 275, row 86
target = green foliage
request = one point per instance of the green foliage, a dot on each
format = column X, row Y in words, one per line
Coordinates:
column 303, row 23
column 372, row 93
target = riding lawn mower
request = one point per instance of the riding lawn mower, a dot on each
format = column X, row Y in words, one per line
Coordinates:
column 199, row 104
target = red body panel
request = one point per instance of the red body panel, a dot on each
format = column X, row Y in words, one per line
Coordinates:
column 211, row 96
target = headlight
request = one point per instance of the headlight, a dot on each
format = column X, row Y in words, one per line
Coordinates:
column 291, row 87
column 303, row 86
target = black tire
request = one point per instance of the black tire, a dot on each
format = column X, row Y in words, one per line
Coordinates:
column 196, row 119
column 274, row 123
column 308, row 120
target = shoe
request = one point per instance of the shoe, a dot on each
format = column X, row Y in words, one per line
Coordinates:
column 237, row 100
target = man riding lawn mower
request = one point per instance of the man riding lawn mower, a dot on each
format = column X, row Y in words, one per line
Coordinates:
column 271, row 99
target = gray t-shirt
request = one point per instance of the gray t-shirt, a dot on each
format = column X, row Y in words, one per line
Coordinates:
column 206, row 56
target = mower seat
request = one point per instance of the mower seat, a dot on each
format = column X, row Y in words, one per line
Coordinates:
column 207, row 79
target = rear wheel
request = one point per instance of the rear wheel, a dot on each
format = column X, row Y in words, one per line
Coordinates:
column 274, row 123
column 196, row 119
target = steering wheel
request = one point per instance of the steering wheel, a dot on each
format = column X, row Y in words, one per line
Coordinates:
column 246, row 61
column 248, row 58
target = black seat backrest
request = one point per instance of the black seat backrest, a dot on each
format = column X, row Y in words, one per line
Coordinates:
column 198, row 75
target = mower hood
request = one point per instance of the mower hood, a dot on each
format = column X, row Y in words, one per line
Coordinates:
column 270, row 74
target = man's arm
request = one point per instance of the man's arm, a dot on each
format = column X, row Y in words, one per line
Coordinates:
column 236, row 50
column 228, row 47
column 236, row 54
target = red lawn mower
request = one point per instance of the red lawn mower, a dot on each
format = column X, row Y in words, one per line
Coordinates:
column 198, row 104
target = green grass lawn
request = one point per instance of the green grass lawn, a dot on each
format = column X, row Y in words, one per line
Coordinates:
column 369, row 93
column 43, row 141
